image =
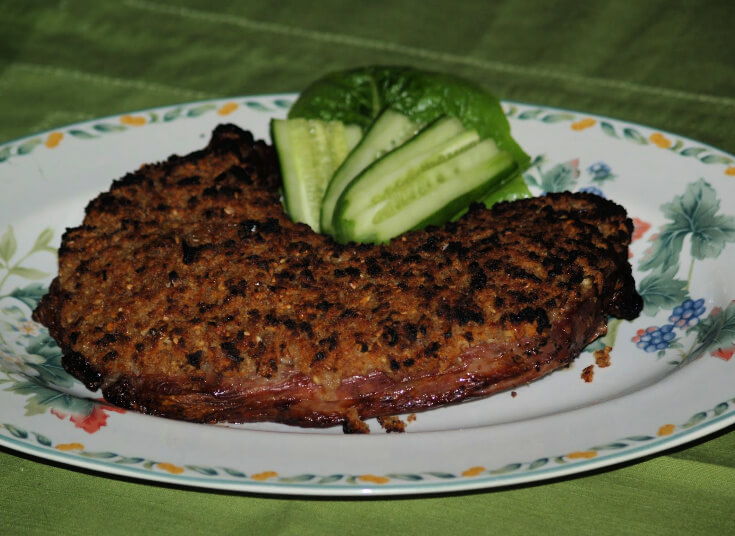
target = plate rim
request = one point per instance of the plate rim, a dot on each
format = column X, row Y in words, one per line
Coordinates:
column 716, row 423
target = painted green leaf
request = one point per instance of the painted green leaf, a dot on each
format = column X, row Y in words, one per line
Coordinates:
column 716, row 159
column 8, row 244
column 15, row 431
column 35, row 405
column 695, row 419
column 640, row 438
column 560, row 177
column 233, row 472
column 28, row 146
column 714, row 332
column 661, row 290
column 173, row 114
column 439, row 474
column 201, row 110
column 506, row 469
column 109, row 127
column 207, row 471
column 330, row 478
column 149, row 464
column 530, row 180
column 530, row 114
column 721, row 408
column 82, row 134
column 692, row 213
column 43, row 239
column 538, row 463
column 28, row 273
column 30, row 294
column 406, row 476
column 129, row 461
column 103, row 455
column 5, row 153
column 633, row 135
column 511, row 111
column 608, row 129
column 283, row 103
column 693, row 151
column 42, row 398
column 677, row 145
column 255, row 105
column 557, row 117
column 610, row 446
column 42, row 439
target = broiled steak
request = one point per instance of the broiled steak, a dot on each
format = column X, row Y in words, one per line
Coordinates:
column 187, row 293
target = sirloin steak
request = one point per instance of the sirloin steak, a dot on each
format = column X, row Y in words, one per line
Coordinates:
column 188, row 293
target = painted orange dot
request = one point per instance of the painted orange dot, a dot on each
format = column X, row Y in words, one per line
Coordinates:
column 473, row 471
column 666, row 429
column 170, row 468
column 69, row 446
column 660, row 140
column 730, row 171
column 587, row 122
column 54, row 139
column 227, row 108
column 265, row 475
column 582, row 454
column 133, row 120
column 373, row 479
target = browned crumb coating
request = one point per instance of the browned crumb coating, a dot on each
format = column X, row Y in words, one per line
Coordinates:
column 188, row 293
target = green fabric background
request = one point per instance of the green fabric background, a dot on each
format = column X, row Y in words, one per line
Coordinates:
column 667, row 64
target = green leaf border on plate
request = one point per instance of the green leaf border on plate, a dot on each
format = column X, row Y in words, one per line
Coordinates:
column 665, row 433
column 124, row 122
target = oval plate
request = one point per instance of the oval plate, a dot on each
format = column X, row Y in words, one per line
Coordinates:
column 660, row 381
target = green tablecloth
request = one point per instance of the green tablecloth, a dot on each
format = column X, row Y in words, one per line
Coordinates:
column 670, row 65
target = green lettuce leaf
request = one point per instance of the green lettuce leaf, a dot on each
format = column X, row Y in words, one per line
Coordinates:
column 358, row 95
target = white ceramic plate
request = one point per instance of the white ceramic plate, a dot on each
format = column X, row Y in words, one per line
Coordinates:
column 669, row 381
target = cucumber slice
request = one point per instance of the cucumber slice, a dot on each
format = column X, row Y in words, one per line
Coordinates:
column 427, row 196
column 389, row 130
column 437, row 142
column 309, row 151
column 391, row 181
column 387, row 176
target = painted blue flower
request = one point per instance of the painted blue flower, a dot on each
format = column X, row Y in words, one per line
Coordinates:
column 687, row 314
column 599, row 168
column 600, row 172
column 655, row 339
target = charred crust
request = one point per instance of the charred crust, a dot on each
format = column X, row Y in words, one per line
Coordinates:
column 122, row 393
column 231, row 351
column 191, row 254
column 194, row 358
column 531, row 315
column 78, row 366
column 106, row 339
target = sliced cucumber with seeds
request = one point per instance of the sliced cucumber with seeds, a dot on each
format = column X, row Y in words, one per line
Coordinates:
column 436, row 143
column 389, row 130
column 429, row 191
column 309, row 151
